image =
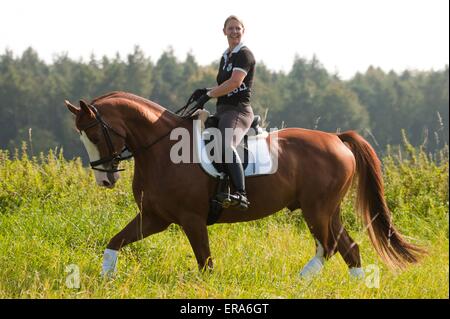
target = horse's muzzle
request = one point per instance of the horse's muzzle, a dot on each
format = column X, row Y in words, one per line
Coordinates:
column 106, row 179
column 108, row 184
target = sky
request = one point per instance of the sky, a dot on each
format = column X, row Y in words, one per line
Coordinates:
column 346, row 36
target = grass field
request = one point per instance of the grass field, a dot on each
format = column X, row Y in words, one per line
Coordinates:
column 55, row 223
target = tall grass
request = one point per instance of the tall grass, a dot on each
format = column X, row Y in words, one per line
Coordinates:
column 52, row 215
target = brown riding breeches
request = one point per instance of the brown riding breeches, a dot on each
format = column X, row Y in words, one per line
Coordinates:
column 238, row 118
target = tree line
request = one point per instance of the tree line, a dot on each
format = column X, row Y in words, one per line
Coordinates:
column 377, row 104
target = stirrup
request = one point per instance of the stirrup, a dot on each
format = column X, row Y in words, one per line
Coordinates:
column 236, row 200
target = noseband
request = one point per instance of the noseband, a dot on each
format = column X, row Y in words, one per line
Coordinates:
column 114, row 157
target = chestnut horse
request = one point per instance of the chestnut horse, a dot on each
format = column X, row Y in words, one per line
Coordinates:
column 315, row 171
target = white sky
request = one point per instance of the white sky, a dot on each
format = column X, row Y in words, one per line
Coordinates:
column 346, row 35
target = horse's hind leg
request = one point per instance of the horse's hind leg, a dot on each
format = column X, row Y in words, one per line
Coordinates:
column 141, row 226
column 346, row 246
column 330, row 236
column 317, row 219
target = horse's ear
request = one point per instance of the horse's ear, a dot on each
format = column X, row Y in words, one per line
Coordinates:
column 85, row 108
column 72, row 108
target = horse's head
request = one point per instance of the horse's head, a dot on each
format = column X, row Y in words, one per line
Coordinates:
column 103, row 142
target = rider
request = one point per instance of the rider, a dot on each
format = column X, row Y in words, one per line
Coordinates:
column 235, row 114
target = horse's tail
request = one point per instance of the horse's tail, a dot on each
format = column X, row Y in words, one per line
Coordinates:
column 370, row 202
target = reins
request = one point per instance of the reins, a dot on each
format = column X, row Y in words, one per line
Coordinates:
column 185, row 111
column 185, row 114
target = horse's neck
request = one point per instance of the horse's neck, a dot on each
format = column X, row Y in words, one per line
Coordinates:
column 147, row 124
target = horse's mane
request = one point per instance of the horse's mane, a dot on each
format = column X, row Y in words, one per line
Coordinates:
column 132, row 97
column 141, row 103
column 104, row 96
column 125, row 95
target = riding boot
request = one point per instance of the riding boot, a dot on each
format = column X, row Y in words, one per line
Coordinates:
column 236, row 173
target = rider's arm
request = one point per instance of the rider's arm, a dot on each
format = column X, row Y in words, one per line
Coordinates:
column 237, row 77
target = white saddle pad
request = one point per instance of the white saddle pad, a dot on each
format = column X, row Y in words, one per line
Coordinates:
column 260, row 161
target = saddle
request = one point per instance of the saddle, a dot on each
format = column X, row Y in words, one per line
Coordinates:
column 253, row 151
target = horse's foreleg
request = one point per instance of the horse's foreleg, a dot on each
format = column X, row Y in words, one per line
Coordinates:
column 197, row 233
column 141, row 226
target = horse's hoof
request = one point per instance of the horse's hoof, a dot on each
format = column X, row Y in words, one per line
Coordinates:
column 356, row 273
column 312, row 268
column 108, row 275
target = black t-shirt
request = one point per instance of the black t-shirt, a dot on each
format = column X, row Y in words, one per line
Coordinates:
column 242, row 59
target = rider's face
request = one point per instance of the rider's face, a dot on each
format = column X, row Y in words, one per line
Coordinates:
column 234, row 31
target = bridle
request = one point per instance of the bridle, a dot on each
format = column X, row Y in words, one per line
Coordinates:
column 114, row 157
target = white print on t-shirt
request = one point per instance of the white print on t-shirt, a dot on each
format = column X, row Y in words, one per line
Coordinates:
column 241, row 88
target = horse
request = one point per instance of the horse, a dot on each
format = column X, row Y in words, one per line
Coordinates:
column 315, row 171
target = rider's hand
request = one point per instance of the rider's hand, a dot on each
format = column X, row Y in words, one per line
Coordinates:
column 202, row 100
column 198, row 93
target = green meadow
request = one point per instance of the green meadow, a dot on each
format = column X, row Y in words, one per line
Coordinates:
column 55, row 223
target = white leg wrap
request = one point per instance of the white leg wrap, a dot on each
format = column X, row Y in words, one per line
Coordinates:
column 312, row 268
column 315, row 265
column 109, row 262
column 356, row 273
